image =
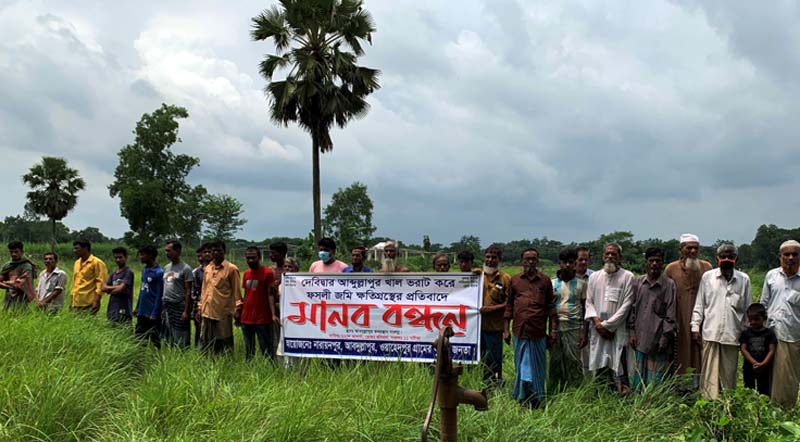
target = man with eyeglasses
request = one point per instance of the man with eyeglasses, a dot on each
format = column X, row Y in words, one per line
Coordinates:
column 781, row 297
column 718, row 319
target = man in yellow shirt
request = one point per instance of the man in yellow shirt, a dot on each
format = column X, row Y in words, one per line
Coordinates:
column 90, row 273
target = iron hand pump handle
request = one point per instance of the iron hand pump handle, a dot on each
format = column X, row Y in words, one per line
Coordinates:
column 443, row 341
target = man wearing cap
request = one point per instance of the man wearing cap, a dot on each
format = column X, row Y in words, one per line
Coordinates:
column 686, row 273
column 718, row 319
column 781, row 297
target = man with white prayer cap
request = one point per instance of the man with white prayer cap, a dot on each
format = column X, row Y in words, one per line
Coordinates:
column 781, row 297
column 686, row 272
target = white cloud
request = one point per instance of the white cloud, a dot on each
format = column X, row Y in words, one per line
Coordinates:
column 504, row 119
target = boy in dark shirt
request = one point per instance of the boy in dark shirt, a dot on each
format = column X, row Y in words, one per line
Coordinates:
column 120, row 288
column 758, row 348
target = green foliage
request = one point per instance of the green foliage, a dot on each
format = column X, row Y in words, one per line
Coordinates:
column 27, row 230
column 348, row 217
column 317, row 44
column 764, row 248
column 54, row 190
column 150, row 181
column 91, row 234
column 741, row 415
column 222, row 216
column 469, row 243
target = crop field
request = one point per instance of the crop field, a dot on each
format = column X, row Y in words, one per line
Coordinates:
column 68, row 378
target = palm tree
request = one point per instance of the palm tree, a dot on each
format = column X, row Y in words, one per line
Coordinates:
column 54, row 187
column 317, row 43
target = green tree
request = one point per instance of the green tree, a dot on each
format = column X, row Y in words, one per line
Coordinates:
column 150, row 181
column 222, row 217
column 27, row 229
column 317, row 43
column 54, row 191
column 91, row 234
column 348, row 217
column 468, row 242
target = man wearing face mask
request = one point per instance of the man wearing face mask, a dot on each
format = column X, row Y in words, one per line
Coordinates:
column 495, row 294
column 686, row 273
column 718, row 318
column 327, row 258
column 781, row 297
column 609, row 297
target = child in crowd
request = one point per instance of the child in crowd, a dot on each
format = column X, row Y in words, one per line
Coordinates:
column 758, row 348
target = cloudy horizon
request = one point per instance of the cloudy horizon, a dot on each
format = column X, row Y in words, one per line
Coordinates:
column 500, row 119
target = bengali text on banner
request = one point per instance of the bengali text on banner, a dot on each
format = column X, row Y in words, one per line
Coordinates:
column 380, row 316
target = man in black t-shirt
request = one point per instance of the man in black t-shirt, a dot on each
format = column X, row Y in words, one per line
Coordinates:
column 758, row 348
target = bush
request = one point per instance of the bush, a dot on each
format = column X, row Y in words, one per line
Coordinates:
column 741, row 415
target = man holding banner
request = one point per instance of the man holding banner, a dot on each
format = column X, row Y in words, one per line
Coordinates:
column 496, row 284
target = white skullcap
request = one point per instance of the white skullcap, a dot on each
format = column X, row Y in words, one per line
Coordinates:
column 689, row 237
column 790, row 243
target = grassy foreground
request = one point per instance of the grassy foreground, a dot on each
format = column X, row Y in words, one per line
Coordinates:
column 70, row 378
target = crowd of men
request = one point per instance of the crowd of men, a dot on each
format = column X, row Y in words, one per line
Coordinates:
column 685, row 318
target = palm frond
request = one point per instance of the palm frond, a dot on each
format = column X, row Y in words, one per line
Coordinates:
column 268, row 66
column 272, row 23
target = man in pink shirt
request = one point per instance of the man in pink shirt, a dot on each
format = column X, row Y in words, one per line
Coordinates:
column 327, row 258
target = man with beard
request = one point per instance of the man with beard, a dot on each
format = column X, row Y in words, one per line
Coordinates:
column 389, row 263
column 177, row 300
column 652, row 322
column 566, row 365
column 718, row 319
column 686, row 273
column 609, row 297
column 496, row 284
column 16, row 277
column 781, row 297
column 530, row 307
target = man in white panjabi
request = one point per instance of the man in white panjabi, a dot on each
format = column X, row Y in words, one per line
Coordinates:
column 609, row 297
column 781, row 297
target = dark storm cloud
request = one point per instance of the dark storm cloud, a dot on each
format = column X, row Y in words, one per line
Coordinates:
column 504, row 119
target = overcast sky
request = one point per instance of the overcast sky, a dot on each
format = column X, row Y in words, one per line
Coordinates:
column 502, row 119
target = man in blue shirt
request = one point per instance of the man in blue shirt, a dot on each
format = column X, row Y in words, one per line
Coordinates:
column 357, row 257
column 148, row 308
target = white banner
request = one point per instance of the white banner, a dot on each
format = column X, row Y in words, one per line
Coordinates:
column 380, row 316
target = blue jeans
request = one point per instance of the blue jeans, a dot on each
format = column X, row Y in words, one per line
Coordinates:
column 263, row 333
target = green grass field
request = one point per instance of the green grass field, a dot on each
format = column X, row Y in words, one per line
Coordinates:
column 68, row 378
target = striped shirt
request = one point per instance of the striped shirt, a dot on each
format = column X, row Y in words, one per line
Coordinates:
column 569, row 296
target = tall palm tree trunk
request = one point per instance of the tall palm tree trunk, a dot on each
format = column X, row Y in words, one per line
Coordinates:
column 315, row 191
column 52, row 234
